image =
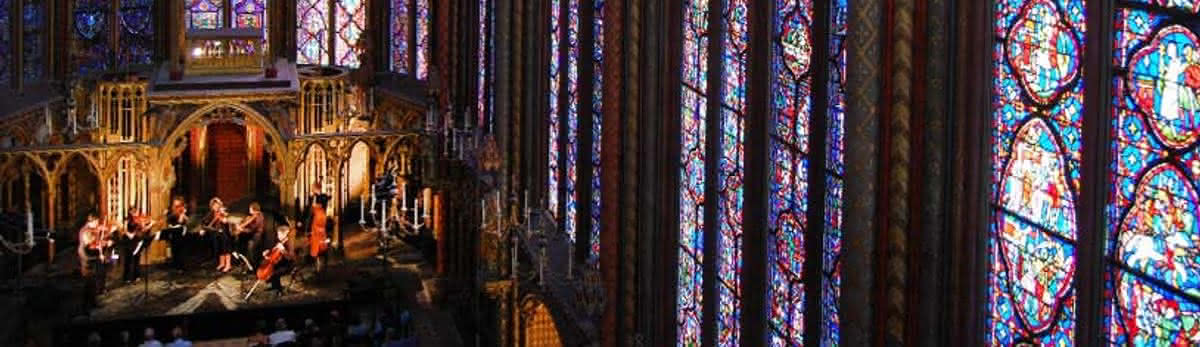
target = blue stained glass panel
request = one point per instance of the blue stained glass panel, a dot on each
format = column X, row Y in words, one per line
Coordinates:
column 312, row 32
column 1037, row 99
column 424, row 50
column 731, row 171
column 571, row 181
column 206, row 14
column 91, row 52
column 791, row 60
column 835, row 171
column 400, row 29
column 350, row 19
column 693, row 122
column 34, row 13
column 597, row 124
column 554, row 122
column 5, row 44
column 137, row 32
column 1152, row 277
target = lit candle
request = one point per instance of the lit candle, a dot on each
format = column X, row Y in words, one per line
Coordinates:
column 404, row 196
column 416, row 206
column 372, row 198
column 362, row 210
column 384, row 216
column 482, row 212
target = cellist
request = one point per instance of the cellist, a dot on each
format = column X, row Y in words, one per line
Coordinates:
column 279, row 258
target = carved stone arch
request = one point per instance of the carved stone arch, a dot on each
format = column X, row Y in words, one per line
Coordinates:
column 66, row 160
column 199, row 117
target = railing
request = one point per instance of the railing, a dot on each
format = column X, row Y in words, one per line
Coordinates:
column 224, row 51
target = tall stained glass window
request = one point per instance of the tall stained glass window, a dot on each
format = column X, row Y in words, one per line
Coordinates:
column 553, row 121
column 1152, row 274
column 731, row 169
column 401, row 28
column 571, row 117
column 485, row 60
column 206, row 14
column 835, row 175
column 597, row 123
column 1038, row 99
column 693, row 121
column 312, row 26
column 137, row 32
column 34, row 51
column 410, row 26
column 350, row 18
column 424, row 20
column 5, row 44
column 91, row 20
column 791, row 54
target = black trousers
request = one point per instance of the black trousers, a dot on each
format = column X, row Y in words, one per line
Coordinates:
column 174, row 238
column 281, row 268
column 130, row 265
column 93, row 284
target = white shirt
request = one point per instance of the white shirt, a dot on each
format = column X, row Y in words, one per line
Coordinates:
column 279, row 337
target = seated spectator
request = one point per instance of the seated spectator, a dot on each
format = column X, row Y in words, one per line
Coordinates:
column 179, row 341
column 126, row 339
column 312, row 333
column 149, row 340
column 335, row 328
column 93, row 339
column 282, row 334
column 259, row 339
column 361, row 328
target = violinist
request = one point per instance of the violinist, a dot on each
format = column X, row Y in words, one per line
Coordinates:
column 217, row 222
column 130, row 243
column 250, row 232
column 318, row 224
column 177, row 220
column 92, row 241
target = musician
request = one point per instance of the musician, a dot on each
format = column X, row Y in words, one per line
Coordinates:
column 130, row 243
column 177, row 220
column 92, row 241
column 250, row 232
column 318, row 224
column 217, row 222
column 284, row 252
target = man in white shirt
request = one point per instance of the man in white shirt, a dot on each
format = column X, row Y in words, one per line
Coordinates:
column 281, row 334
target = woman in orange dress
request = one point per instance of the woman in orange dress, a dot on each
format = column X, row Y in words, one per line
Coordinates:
column 317, row 234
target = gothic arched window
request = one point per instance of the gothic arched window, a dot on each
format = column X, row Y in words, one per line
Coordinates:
column 1152, row 277
column 328, row 31
column 410, row 23
column 574, row 117
column 1148, row 238
column 805, row 176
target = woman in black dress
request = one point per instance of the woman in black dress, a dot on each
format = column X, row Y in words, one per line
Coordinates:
column 218, row 223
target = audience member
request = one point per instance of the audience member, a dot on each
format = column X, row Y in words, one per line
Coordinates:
column 259, row 339
column 93, row 339
column 281, row 335
column 335, row 328
column 149, row 340
column 179, row 341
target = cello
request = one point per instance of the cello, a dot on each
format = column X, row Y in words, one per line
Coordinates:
column 271, row 258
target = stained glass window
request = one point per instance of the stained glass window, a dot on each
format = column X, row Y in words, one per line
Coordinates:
column 34, row 21
column 424, row 19
column 1152, row 277
column 91, row 25
column 252, row 14
column 312, row 30
column 553, row 121
column 401, row 27
column 206, row 14
column 484, row 59
column 570, row 181
column 597, row 123
column 835, row 171
column 137, row 32
column 693, row 122
column 350, row 20
column 791, row 54
column 731, row 168
column 1037, row 95
column 5, row 44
